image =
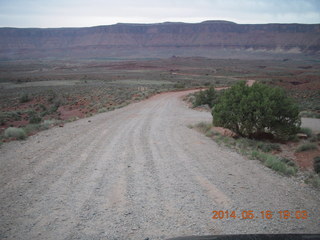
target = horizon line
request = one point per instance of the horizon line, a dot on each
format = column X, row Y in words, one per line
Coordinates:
column 166, row 22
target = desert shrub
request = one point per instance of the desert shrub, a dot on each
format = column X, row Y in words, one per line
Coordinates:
column 31, row 128
column 268, row 147
column 7, row 116
column 306, row 147
column 246, row 143
column 212, row 133
column 14, row 132
column 275, row 164
column 294, row 138
column 34, row 118
column 288, row 162
column 102, row 110
column 179, row 85
column 208, row 97
column 316, row 164
column 42, row 114
column 306, row 131
column 314, row 180
column 43, row 107
column 24, row 98
column 255, row 154
column 55, row 106
column 203, row 127
column 257, row 111
column 51, row 96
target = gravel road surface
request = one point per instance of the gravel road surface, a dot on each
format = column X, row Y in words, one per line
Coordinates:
column 312, row 123
column 139, row 172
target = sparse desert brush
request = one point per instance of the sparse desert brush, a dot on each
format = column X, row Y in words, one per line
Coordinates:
column 314, row 180
column 268, row 147
column 24, row 98
column 306, row 147
column 31, row 128
column 7, row 116
column 208, row 97
column 179, row 85
column 282, row 165
column 13, row 132
column 43, row 107
column 203, row 127
column 102, row 110
column 51, row 96
column 35, row 119
column 251, row 144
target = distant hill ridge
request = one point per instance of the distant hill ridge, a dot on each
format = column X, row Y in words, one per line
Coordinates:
column 158, row 40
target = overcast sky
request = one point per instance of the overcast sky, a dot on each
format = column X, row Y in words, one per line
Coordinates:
column 83, row 13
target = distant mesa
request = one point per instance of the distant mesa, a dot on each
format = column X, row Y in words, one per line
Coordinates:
column 218, row 21
column 213, row 38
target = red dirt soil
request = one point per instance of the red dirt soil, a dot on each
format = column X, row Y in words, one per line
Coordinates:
column 66, row 113
column 305, row 159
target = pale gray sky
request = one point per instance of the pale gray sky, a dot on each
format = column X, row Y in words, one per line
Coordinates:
column 83, row 13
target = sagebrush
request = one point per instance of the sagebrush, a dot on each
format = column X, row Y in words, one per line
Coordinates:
column 13, row 132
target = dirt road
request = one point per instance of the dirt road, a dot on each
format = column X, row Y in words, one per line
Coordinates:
column 139, row 172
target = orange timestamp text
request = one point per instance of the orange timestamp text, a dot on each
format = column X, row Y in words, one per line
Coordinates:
column 250, row 214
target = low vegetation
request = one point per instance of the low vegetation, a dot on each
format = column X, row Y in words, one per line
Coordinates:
column 254, row 149
column 261, row 117
column 205, row 97
column 204, row 127
column 17, row 133
column 35, row 118
column 24, row 98
column 85, row 88
column 257, row 111
column 276, row 163
column 102, row 110
column 306, row 131
column 179, row 85
column 314, row 180
column 306, row 147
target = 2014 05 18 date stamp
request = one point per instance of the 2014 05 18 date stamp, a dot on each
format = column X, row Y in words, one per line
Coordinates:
column 250, row 214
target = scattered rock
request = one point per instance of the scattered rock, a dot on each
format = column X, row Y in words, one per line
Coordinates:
column 225, row 132
column 302, row 135
column 61, row 125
